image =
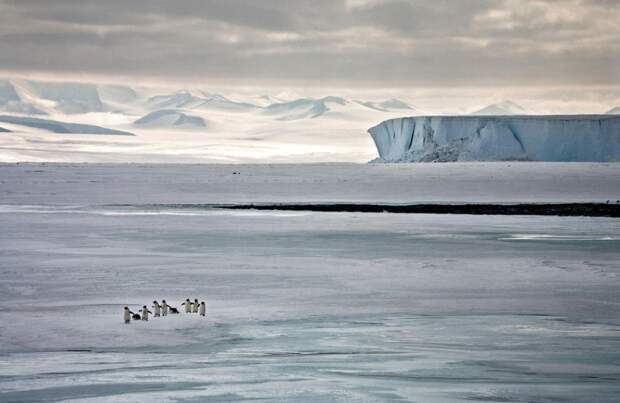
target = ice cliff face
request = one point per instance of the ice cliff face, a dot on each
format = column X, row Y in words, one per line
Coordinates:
column 498, row 138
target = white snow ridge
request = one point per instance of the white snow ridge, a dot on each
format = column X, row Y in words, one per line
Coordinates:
column 55, row 126
column 593, row 138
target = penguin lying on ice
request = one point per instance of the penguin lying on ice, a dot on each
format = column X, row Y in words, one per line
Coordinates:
column 136, row 316
column 173, row 310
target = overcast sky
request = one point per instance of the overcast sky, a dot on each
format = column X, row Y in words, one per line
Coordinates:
column 366, row 43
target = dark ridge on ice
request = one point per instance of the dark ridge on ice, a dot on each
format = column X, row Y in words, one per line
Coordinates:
column 609, row 209
column 554, row 209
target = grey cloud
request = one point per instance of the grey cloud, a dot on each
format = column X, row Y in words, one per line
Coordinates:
column 440, row 17
column 417, row 42
column 267, row 14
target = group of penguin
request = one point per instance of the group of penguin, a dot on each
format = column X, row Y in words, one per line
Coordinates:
column 163, row 309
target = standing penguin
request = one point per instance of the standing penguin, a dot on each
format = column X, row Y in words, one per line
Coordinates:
column 127, row 315
column 203, row 309
column 145, row 313
column 195, row 306
column 188, row 306
column 164, row 308
column 157, row 309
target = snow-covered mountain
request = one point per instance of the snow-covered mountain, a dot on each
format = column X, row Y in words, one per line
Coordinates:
column 304, row 107
column 220, row 102
column 180, row 99
column 68, row 98
column 613, row 111
column 202, row 100
column 13, row 100
column 28, row 97
column 499, row 138
column 169, row 118
column 264, row 100
column 501, row 108
column 148, row 111
column 387, row 105
column 117, row 94
column 333, row 106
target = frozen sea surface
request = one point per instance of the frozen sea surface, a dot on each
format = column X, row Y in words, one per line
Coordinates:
column 490, row 182
column 302, row 306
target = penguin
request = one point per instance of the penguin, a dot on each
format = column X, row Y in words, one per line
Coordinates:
column 136, row 316
column 203, row 309
column 127, row 314
column 173, row 310
column 164, row 308
column 145, row 313
column 195, row 306
column 157, row 309
column 188, row 306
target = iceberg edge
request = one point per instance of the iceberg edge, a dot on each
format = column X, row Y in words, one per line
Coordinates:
column 586, row 138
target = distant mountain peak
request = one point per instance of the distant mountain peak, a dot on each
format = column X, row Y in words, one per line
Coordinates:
column 335, row 99
column 613, row 111
column 304, row 107
column 388, row 105
column 179, row 99
column 505, row 107
column 170, row 117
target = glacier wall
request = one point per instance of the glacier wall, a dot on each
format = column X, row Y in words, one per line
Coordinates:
column 498, row 138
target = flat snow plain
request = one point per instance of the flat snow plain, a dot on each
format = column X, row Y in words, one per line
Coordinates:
column 307, row 306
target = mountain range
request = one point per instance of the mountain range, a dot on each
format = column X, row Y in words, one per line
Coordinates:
column 193, row 114
column 184, row 109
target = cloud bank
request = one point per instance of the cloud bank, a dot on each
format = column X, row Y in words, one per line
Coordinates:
column 304, row 42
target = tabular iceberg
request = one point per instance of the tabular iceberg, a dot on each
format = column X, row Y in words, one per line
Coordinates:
column 498, row 138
